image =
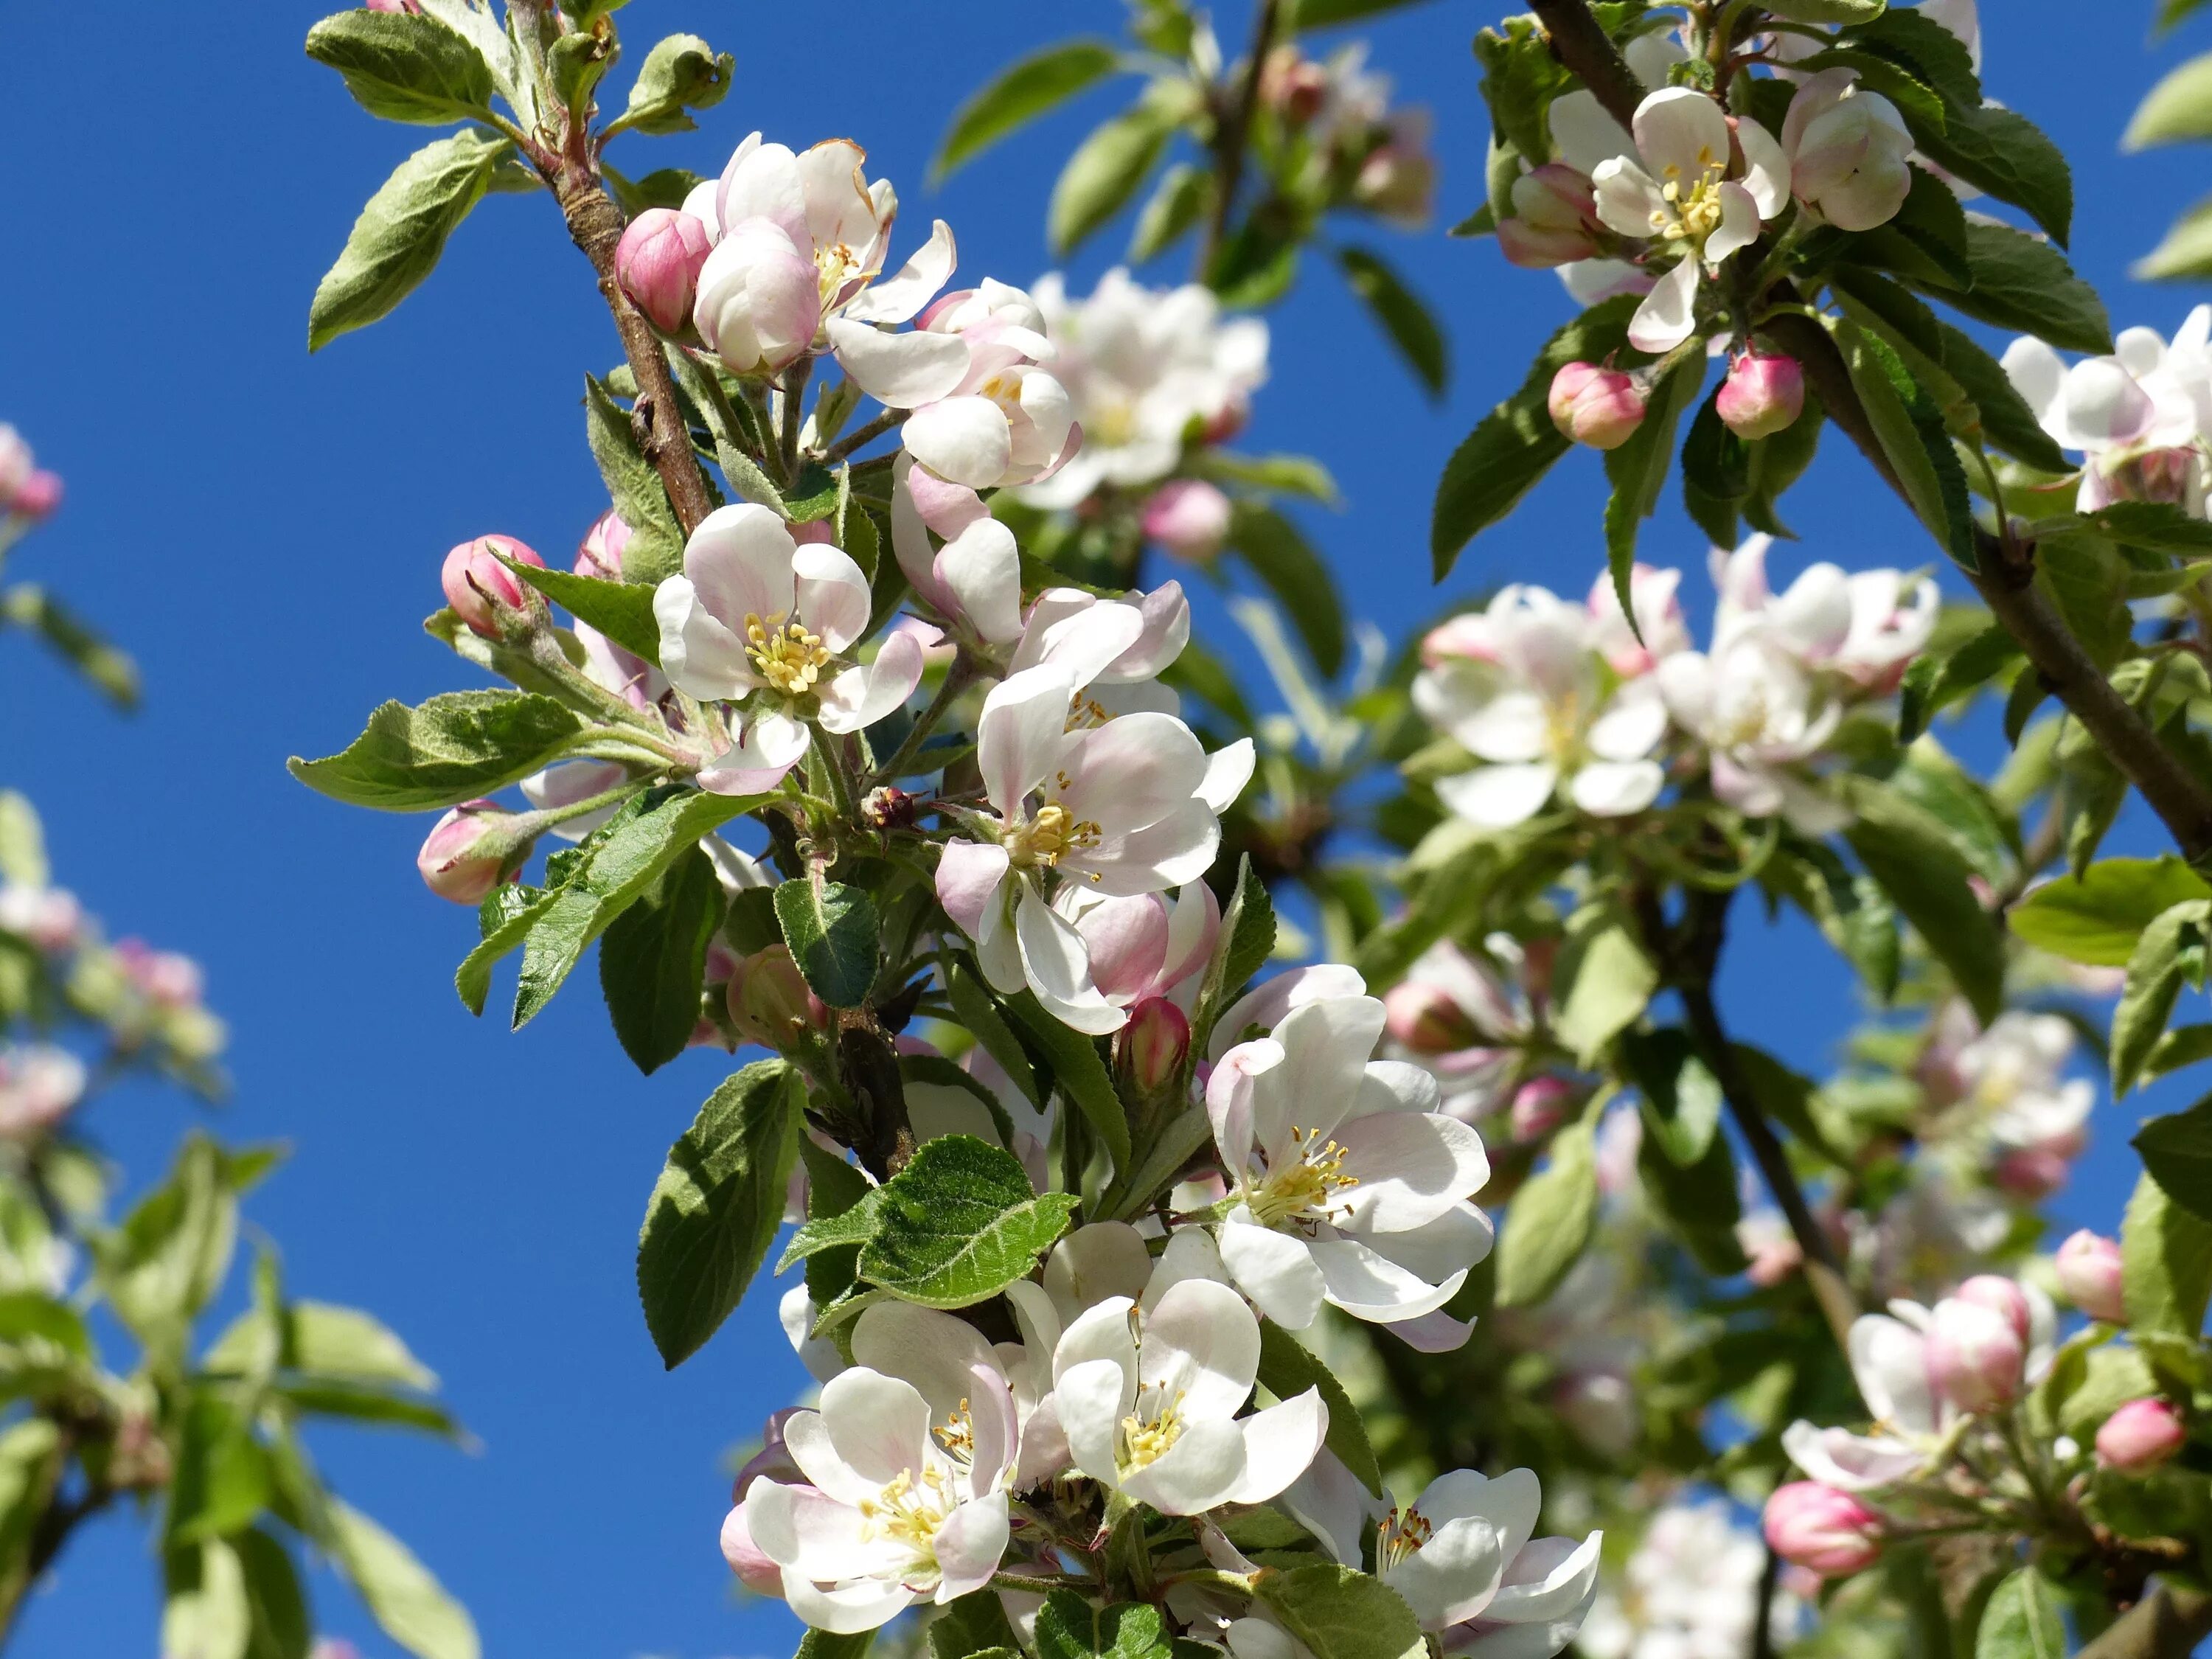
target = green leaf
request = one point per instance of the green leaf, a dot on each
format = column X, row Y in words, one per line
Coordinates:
column 822, row 1644
column 1937, row 679
column 1548, row 1224
column 1339, row 1613
column 2004, row 152
column 1019, row 94
column 1776, row 463
column 33, row 1316
column 972, row 1624
column 28, row 606
column 2178, row 110
column 1681, row 1101
column 2006, row 421
column 622, row 610
column 2099, row 916
column 1914, row 859
column 1081, row 1074
column 653, row 962
column 2026, row 285
column 2022, row 1620
column 1171, row 212
column 1103, row 175
column 1287, row 1369
column 664, row 187
column 1828, row 11
column 1247, row 939
column 716, row 1206
column 2154, row 976
column 1515, row 444
column 680, row 74
column 1287, row 565
column 832, row 931
column 164, row 1263
column 1403, row 317
column 2185, row 253
column 207, row 1615
column 959, row 1223
column 1521, row 78
column 2166, row 1259
column 222, row 1480
column 406, row 1600
column 281, row 1627
column 505, row 918
column 1715, row 474
column 2176, row 1150
column 1637, row 469
column 1613, row 982
column 655, row 549
column 1911, row 433
column 1925, row 49
column 840, row 1230
column 395, row 241
column 457, row 745
column 1069, row 1626
column 22, row 843
column 402, row 67
column 2170, row 12
column 973, row 1007
column 1699, row 1200
column 2154, row 526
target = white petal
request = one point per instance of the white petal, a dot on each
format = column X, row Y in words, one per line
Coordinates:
column 896, row 298
column 1275, row 1270
column 1091, row 1399
column 968, row 874
column 1680, row 133
column 1105, row 1259
column 1667, row 315
column 933, row 1350
column 1612, row 789
column 1454, row 1574
column 964, row 439
column 901, row 371
column 699, row 656
column 1195, row 1474
column 2039, row 374
column 1628, row 202
column 1411, row 1168
column 860, row 697
column 830, row 593
column 1368, row 1286
column 970, row 1544
column 1512, row 727
column 1227, row 771
column 1500, row 797
column 879, row 1424
column 740, row 559
column 1131, row 772
column 1201, row 1346
column 1766, row 168
column 982, row 568
column 1021, row 734
column 1058, row 969
column 1739, row 225
column 848, row 1609
column 1279, row 1444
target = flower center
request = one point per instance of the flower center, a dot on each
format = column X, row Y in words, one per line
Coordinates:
column 1401, row 1533
column 1306, row 1187
column 1112, row 424
column 1148, row 1431
column 1692, row 212
column 1086, row 713
column 834, row 266
column 909, row 1510
column 1004, row 389
column 957, row 1435
column 1050, row 835
column 1743, row 719
column 788, row 656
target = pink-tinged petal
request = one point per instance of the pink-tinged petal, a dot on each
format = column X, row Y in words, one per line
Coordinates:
column 897, row 298
column 910, row 544
column 846, row 1609
column 1411, row 1168
column 998, row 950
column 969, row 1546
column 1131, row 771
column 1766, row 168
column 1177, row 850
column 756, row 1570
column 1166, row 614
column 1021, row 735
column 1045, row 1452
column 767, row 746
column 1068, row 452
column 932, row 1350
column 947, row 508
column 1667, row 315
column 1201, row 1346
column 1230, row 1093
column 1058, row 970
column 981, row 569
column 1127, row 940
column 1628, row 202
column 1194, row 925
column 1851, row 1462
column 1681, row 132
column 1276, row 1271
column 879, row 1424
column 966, row 440
column 1267, row 1004
column 901, row 371
column 699, row 656
column 806, row 1438
column 1092, row 1397
column 1368, row 1286
column 831, row 593
column 858, row 697
column 1889, row 1362
column 1195, row 1474
column 1280, row 1444
column 762, row 182
column 1500, row 797
column 968, row 874
column 1433, row 1333
column 740, row 559
column 1085, row 637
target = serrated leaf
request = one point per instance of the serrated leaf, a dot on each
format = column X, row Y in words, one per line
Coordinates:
column 457, row 745
column 2176, row 1150
column 1288, row 1370
column 833, row 932
column 1549, row 1222
column 622, row 610
column 2165, row 1261
column 403, row 67
column 2022, row 1620
column 1614, row 981
column 1019, row 94
column 397, row 240
column 959, row 1223
column 2026, row 285
column 655, row 549
column 1913, row 857
column 1910, row 431
column 653, row 962
column 682, row 73
column 1339, row 1613
column 1638, row 469
column 2154, row 976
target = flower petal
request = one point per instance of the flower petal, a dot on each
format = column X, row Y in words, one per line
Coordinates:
column 1275, row 1270
column 1669, row 314
column 860, row 697
column 982, row 568
column 699, row 656
column 1195, row 1474
column 895, row 299
column 1058, row 969
column 1411, row 1168
column 1500, row 797
column 1200, row 1344
column 1279, row 1444
column 1021, row 735
column 740, row 559
column 964, row 439
column 1091, row 1399
column 900, row 371
column 969, row 873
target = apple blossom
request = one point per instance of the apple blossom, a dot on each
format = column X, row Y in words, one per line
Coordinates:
column 1187, row 519
column 1889, row 1361
column 17, row 463
column 1397, row 182
column 2138, row 416
column 1819, row 1527
column 972, row 583
column 1142, row 367
column 601, row 553
column 768, row 999
column 1659, row 631
column 48, row 917
column 471, row 850
column 38, row 496
column 1460, row 1019
column 2089, row 1268
column 1116, row 805
column 39, row 1084
column 1149, row 1398
column 1141, row 947
column 1544, row 1595
column 1690, row 1590
column 1864, row 627
column 1346, row 1185
column 1764, row 393
column 2141, row 1436
column 1847, row 149
column 1599, row 407
column 1977, row 1359
column 1542, row 1105
column 1761, row 721
column 755, row 1571
column 1113, row 649
column 1001, row 419
column 1554, row 219
column 658, row 263
column 1527, row 693
column 760, row 617
column 1149, row 1051
column 483, row 592
column 1676, row 195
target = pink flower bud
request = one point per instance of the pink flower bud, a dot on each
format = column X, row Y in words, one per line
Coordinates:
column 1763, row 394
column 1599, row 407
column 2033, row 1173
column 1423, row 1018
column 1541, row 1105
column 2089, row 1273
column 2001, row 1297
column 479, row 587
column 1976, row 1356
column 49, row 917
column 601, row 553
column 1293, row 85
column 1821, row 1529
column 412, row 8
column 40, row 494
column 1188, row 518
column 1554, row 219
column 658, row 263
column 2140, row 1436
column 768, row 998
column 1152, row 1047
column 469, row 852
column 168, row 978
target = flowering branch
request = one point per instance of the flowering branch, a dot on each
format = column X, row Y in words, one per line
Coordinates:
column 1233, row 128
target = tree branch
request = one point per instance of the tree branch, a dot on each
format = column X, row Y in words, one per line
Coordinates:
column 1233, row 128
column 1579, row 42
column 2167, row 1624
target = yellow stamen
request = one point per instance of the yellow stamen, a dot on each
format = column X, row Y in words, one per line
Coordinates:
column 788, row 658
column 908, row 1509
column 1148, row 1431
column 1305, row 1188
column 1401, row 1533
column 1053, row 833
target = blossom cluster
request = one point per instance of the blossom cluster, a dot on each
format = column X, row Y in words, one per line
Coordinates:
column 2141, row 417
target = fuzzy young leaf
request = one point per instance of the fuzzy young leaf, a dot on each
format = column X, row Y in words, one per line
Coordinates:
column 2099, row 916
column 2176, row 1150
column 620, row 610
column 1549, row 1223
column 397, row 240
column 457, row 745
column 1614, row 981
column 655, row 551
column 832, row 931
column 716, row 1208
column 407, row 1601
column 681, row 73
column 1288, row 1370
column 1070, row 1627
column 1020, row 94
column 401, row 67
column 959, row 1223
column 2022, row 1620
column 1102, row 175
column 1339, row 1613
column 1405, row 319
column 973, row 1624
column 653, row 962
column 1287, row 565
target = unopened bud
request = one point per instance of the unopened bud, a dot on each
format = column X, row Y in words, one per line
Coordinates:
column 768, row 998
column 1424, row 1018
column 2089, row 1273
column 1398, row 184
column 1554, row 219
column 2033, row 1173
column 1293, row 85
column 887, row 808
column 412, row 8
column 2140, row 1436
column 1822, row 1529
column 479, row 587
column 1188, row 518
column 658, row 263
column 1976, row 1356
column 2003, row 1296
column 1599, row 407
column 38, row 496
column 1764, row 393
column 601, row 553
column 470, row 851
column 1541, row 1105
column 1153, row 1046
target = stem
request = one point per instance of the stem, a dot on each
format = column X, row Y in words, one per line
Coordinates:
column 1579, row 42
column 957, row 678
column 1231, row 128
column 841, row 785
column 795, row 395
column 2167, row 1624
column 1762, row 1629
column 1036, row 1585
column 861, row 436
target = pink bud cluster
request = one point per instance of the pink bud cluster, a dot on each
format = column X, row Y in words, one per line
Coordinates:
column 1599, row 407
column 658, row 263
column 2089, row 1273
column 25, row 490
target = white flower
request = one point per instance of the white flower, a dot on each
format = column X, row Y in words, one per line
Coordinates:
column 1659, row 630
column 906, row 1468
column 1756, row 711
column 973, row 581
column 760, row 617
column 1865, row 626
column 1457, row 1018
column 1149, row 1400
column 1848, row 150
column 1141, row 946
column 1143, row 367
column 1692, row 1592
column 1116, row 806
column 1113, row 649
column 1676, row 193
column 1525, row 690
column 1346, row 1185
column 2140, row 416
column 40, row 1085
column 2014, row 1072
column 1004, row 420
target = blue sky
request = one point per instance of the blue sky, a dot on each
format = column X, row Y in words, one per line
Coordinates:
column 263, row 530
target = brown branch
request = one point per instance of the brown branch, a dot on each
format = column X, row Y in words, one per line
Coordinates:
column 1579, row 42
column 2167, row 1624
column 1232, row 129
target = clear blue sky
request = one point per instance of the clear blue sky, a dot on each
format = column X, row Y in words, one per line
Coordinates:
column 263, row 530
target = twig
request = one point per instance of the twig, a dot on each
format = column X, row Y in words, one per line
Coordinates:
column 1231, row 129
column 861, row 436
column 2167, row 1624
column 957, row 678
column 1580, row 43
